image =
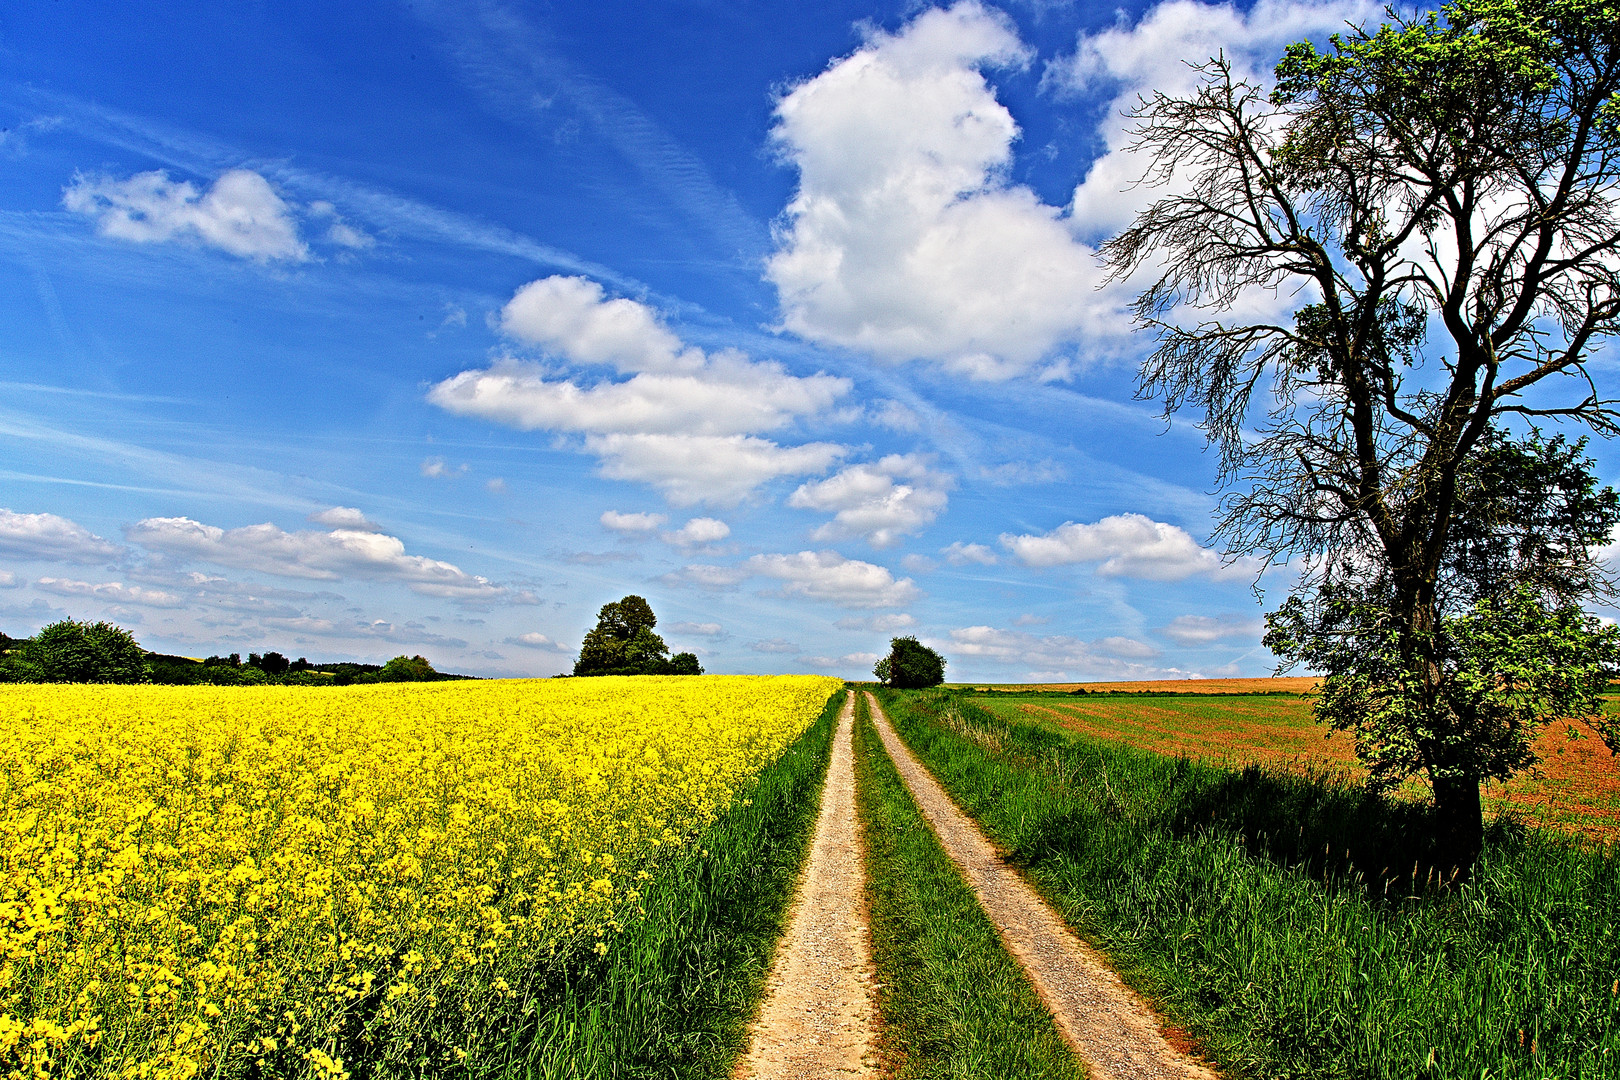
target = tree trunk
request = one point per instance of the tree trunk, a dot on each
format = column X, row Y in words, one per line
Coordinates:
column 1459, row 828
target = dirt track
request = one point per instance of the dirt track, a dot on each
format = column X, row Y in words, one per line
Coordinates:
column 818, row 1018
column 1108, row 1025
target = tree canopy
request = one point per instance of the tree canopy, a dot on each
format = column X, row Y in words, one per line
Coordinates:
column 1441, row 191
column 79, row 652
column 623, row 643
column 910, row 665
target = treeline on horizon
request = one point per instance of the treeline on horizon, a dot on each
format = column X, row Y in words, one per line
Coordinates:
column 70, row 651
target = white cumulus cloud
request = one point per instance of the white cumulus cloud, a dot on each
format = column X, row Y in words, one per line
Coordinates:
column 830, row 577
column 718, row 469
column 326, row 556
column 961, row 554
column 906, row 238
column 1154, row 53
column 883, row 501
column 774, row 645
column 241, row 213
column 52, row 539
column 1124, row 545
column 845, row 662
column 632, row 524
column 825, row 576
column 689, row 423
column 700, row 530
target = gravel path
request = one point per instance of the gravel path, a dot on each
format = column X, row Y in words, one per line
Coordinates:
column 1106, row 1023
column 818, row 1018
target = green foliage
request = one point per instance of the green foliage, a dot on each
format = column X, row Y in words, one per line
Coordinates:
column 623, row 643
column 684, row 663
column 1507, row 667
column 1278, row 917
column 271, row 663
column 1506, row 649
column 407, row 669
column 910, row 665
column 79, row 652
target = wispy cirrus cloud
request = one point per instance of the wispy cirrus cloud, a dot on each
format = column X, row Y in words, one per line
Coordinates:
column 1058, row 656
column 111, row 592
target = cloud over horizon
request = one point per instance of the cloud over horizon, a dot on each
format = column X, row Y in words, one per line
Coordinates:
column 323, row 556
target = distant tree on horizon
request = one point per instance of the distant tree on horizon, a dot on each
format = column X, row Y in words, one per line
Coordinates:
column 623, row 643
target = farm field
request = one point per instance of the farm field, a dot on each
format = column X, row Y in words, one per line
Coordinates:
column 278, row 881
column 1284, row 920
column 1286, row 684
column 1578, row 790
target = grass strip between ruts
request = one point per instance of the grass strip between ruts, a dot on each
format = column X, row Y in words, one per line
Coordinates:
column 953, row 1002
column 1283, row 964
column 677, row 989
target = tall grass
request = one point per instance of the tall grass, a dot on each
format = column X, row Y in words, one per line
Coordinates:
column 954, row 1003
column 1270, row 913
column 676, row 990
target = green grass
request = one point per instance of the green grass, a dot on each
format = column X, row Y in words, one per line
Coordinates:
column 1249, row 904
column 676, row 991
column 954, row 1003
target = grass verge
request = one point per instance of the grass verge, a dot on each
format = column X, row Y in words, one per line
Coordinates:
column 1227, row 896
column 953, row 1002
column 674, row 994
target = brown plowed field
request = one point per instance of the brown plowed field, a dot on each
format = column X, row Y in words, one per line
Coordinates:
column 1578, row 790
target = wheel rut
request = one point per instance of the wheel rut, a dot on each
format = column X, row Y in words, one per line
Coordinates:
column 818, row 1019
column 1109, row 1027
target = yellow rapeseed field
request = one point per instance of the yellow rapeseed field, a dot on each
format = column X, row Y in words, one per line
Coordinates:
column 218, row 881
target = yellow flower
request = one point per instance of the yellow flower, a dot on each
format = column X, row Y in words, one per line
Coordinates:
column 192, row 878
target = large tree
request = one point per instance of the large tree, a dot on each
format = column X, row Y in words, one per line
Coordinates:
column 1441, row 193
column 623, row 643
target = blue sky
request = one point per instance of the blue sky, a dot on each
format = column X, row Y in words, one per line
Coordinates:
column 353, row 330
